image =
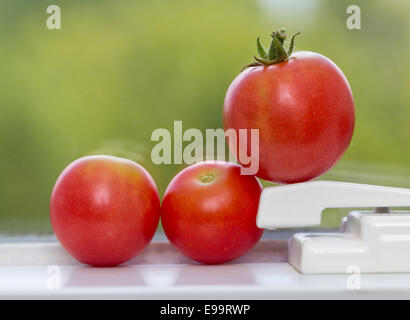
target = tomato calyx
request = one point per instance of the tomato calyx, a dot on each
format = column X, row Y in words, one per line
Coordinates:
column 276, row 52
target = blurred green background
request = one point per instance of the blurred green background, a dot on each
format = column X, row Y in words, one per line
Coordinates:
column 120, row 69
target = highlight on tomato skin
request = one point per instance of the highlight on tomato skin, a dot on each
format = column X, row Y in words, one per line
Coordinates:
column 104, row 210
column 209, row 212
column 302, row 105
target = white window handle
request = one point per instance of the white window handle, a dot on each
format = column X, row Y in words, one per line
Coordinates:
column 301, row 204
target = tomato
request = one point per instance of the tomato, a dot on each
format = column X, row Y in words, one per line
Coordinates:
column 302, row 105
column 104, row 210
column 209, row 212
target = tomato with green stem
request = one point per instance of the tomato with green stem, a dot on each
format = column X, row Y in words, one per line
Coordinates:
column 302, row 105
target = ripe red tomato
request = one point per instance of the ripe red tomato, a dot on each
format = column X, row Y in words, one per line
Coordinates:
column 304, row 110
column 104, row 210
column 209, row 212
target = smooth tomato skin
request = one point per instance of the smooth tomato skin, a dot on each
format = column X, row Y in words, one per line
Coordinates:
column 104, row 210
column 304, row 111
column 212, row 222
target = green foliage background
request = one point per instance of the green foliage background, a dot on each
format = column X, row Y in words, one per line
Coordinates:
column 120, row 69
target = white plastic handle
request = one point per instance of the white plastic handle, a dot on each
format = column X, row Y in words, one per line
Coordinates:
column 301, row 204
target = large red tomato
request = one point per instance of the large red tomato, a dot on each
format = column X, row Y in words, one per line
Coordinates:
column 209, row 212
column 104, row 210
column 303, row 107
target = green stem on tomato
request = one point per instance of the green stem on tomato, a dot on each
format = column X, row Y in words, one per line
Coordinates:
column 276, row 53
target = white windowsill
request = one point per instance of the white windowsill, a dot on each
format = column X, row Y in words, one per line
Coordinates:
column 30, row 269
